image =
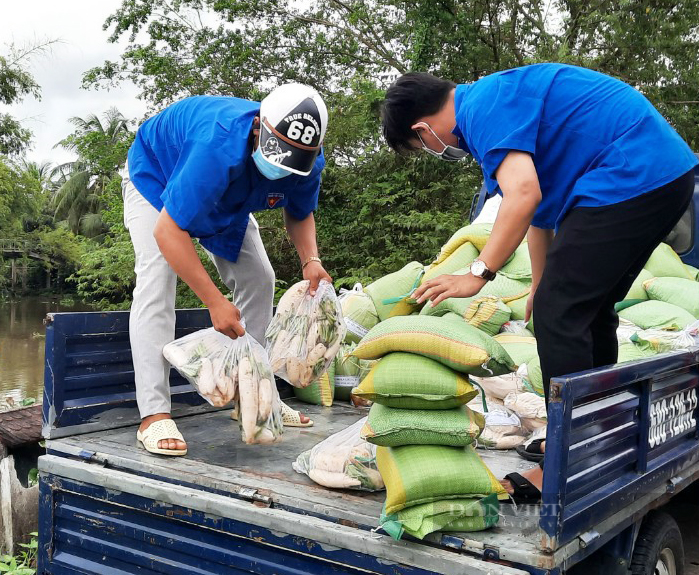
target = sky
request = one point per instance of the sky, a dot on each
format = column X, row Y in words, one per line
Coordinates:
column 83, row 45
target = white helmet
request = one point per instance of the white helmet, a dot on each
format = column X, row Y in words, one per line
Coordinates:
column 293, row 119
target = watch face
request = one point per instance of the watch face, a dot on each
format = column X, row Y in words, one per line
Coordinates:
column 477, row 268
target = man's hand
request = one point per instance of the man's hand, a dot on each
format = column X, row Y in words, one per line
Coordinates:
column 226, row 319
column 529, row 307
column 314, row 272
column 446, row 286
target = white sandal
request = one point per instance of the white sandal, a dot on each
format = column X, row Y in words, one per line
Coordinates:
column 290, row 417
column 158, row 431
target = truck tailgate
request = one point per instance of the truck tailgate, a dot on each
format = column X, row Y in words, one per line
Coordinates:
column 224, row 479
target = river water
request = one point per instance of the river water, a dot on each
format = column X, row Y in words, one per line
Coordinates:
column 22, row 346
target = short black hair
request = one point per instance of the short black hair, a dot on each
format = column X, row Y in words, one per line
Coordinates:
column 410, row 97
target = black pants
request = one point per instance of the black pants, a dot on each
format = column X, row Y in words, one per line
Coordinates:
column 591, row 264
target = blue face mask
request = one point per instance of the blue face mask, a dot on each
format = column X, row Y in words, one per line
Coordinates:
column 268, row 170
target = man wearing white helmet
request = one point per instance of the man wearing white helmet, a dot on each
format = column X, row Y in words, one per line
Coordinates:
column 199, row 169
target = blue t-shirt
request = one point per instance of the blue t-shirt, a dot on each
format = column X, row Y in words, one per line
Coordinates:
column 595, row 140
column 195, row 159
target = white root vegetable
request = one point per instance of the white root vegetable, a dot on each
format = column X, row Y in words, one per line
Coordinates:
column 295, row 347
column 247, row 387
column 278, row 350
column 217, row 400
column 265, row 436
column 206, row 381
column 294, row 370
column 177, row 356
column 307, row 376
column 331, row 352
column 334, row 480
column 228, row 391
column 316, row 355
column 331, row 460
column 312, row 337
column 292, row 298
column 265, row 398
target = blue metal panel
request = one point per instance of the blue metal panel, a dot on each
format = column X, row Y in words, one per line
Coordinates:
column 89, row 372
column 616, row 434
column 97, row 531
column 692, row 257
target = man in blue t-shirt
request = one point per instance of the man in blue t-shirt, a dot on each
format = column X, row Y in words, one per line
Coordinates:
column 569, row 150
column 199, row 169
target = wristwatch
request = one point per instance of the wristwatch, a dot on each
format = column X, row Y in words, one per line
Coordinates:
column 480, row 270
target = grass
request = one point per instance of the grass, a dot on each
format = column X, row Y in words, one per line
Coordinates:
column 24, row 562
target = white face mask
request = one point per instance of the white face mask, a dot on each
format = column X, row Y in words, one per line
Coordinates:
column 448, row 153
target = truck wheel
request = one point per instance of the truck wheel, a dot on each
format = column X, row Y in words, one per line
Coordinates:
column 659, row 549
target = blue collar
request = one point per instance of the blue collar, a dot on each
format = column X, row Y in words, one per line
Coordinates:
column 460, row 114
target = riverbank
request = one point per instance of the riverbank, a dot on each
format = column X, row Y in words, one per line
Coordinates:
column 22, row 345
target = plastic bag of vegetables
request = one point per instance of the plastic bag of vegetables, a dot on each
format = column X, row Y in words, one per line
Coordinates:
column 342, row 461
column 222, row 370
column 305, row 333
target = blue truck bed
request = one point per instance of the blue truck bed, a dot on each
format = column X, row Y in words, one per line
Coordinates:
column 621, row 442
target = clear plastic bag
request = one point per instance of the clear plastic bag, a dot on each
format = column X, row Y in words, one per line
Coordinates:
column 516, row 327
column 342, row 461
column 305, row 333
column 222, row 370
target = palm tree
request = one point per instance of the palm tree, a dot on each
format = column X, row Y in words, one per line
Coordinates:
column 80, row 184
column 39, row 171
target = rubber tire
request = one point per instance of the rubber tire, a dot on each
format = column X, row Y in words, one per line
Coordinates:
column 659, row 530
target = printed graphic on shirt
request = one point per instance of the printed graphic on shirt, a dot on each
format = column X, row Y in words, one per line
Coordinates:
column 273, row 198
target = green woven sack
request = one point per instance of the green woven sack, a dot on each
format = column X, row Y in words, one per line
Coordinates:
column 630, row 351
column 457, row 345
column 657, row 314
column 461, row 258
column 664, row 262
column 417, row 474
column 692, row 271
column 522, row 349
column 534, row 381
column 485, row 313
column 501, row 287
column 637, row 291
column 321, row 391
column 680, row 292
column 359, row 313
column 409, row 381
column 518, row 307
column 349, row 371
column 395, row 427
column 460, row 515
column 519, row 267
column 476, row 234
column 391, row 293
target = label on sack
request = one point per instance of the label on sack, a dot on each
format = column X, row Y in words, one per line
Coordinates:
column 355, row 329
column 497, row 417
column 346, row 380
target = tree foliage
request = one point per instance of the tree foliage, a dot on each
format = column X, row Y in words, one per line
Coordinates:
column 377, row 210
column 80, row 185
column 15, row 84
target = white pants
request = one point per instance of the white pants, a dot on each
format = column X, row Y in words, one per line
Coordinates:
column 152, row 320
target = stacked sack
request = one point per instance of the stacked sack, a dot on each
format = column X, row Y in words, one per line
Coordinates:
column 658, row 314
column 425, row 433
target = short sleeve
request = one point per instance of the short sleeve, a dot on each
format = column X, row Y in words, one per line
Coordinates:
column 303, row 199
column 201, row 175
column 500, row 120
